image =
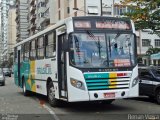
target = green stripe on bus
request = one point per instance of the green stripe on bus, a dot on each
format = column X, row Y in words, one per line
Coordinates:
column 100, row 75
column 102, row 80
column 98, row 87
column 95, row 84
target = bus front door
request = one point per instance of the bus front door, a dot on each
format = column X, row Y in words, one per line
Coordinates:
column 62, row 76
column 19, row 67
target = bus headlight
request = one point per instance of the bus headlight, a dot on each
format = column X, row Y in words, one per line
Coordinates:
column 77, row 84
column 135, row 81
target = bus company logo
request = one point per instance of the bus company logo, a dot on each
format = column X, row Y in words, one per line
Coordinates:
column 94, row 76
column 44, row 70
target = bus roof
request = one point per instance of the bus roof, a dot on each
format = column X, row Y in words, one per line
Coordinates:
column 62, row 22
column 44, row 31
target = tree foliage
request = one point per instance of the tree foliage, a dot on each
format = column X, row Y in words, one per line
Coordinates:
column 151, row 51
column 144, row 13
column 7, row 63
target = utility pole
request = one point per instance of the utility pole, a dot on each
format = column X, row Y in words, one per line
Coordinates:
column 113, row 8
column 101, row 8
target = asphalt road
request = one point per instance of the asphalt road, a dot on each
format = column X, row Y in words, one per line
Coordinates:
column 15, row 106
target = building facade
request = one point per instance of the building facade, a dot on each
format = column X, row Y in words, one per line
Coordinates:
column 21, row 20
column 1, row 49
column 11, row 30
column 31, row 16
column 4, row 27
column 43, row 13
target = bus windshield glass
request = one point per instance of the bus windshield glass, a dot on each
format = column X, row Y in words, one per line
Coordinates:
column 98, row 50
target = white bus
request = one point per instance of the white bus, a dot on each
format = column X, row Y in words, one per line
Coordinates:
column 80, row 59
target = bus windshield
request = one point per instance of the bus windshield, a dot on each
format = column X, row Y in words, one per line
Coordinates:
column 95, row 50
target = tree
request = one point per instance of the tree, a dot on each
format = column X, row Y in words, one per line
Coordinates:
column 151, row 51
column 144, row 13
column 7, row 63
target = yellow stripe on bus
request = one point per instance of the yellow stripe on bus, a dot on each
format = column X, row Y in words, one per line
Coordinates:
column 32, row 71
column 111, row 76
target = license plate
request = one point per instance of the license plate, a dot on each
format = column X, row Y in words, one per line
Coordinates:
column 109, row 95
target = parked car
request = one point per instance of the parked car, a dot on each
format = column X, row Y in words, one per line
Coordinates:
column 7, row 72
column 2, row 78
column 150, row 82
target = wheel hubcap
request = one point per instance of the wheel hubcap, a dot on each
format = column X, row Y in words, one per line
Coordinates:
column 51, row 93
column 24, row 87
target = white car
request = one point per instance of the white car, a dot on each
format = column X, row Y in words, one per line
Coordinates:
column 2, row 78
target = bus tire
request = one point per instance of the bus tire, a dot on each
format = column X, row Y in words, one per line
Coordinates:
column 25, row 91
column 158, row 96
column 51, row 95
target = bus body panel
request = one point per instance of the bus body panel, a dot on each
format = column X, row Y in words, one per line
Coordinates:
column 36, row 72
column 75, row 93
column 134, row 91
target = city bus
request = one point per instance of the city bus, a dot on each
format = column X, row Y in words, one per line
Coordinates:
column 89, row 58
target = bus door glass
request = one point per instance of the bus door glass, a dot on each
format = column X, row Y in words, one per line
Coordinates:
column 62, row 77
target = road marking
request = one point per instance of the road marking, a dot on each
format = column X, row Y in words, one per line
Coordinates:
column 51, row 112
column 42, row 103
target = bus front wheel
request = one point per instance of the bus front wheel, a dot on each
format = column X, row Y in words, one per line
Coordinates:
column 51, row 95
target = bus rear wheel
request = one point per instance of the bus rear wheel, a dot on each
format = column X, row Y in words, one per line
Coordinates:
column 25, row 91
column 51, row 95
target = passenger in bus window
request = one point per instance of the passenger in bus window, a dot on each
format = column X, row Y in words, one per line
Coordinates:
column 114, row 50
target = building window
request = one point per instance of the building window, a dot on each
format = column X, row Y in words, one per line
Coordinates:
column 41, row 4
column 40, row 15
column 157, row 42
column 146, row 42
column 121, row 10
column 92, row 10
column 106, row 10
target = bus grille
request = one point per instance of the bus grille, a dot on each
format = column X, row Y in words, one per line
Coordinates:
column 107, row 81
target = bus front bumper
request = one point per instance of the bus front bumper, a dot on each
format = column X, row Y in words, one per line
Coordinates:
column 111, row 94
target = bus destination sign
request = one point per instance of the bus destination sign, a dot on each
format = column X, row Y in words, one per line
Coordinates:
column 113, row 24
column 82, row 24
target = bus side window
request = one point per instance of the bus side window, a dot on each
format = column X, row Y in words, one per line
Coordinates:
column 49, row 45
column 15, row 54
column 40, row 48
column 22, row 53
column 33, row 50
column 26, row 51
